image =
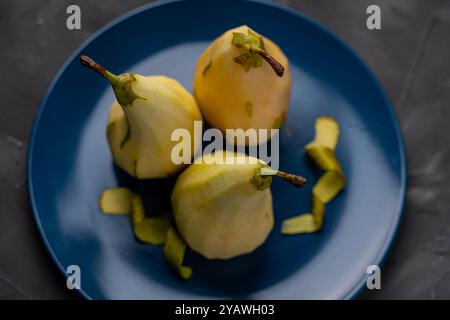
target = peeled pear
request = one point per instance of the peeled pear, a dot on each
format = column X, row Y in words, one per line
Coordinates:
column 243, row 80
column 141, row 121
column 223, row 208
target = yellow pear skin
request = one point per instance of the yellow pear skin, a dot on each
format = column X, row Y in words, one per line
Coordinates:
column 219, row 211
column 141, row 120
column 231, row 97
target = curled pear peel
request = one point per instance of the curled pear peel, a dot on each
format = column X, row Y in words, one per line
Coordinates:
column 321, row 151
column 223, row 209
column 124, row 201
column 174, row 250
column 148, row 230
column 236, row 88
column 116, row 201
column 153, row 231
column 147, row 110
column 137, row 210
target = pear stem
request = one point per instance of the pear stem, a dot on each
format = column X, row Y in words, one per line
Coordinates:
column 297, row 181
column 91, row 64
column 276, row 66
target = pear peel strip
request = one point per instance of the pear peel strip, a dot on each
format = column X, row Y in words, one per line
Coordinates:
column 174, row 250
column 321, row 151
column 147, row 230
column 116, row 201
column 126, row 202
column 153, row 231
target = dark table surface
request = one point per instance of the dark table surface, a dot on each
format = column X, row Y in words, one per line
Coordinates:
column 410, row 55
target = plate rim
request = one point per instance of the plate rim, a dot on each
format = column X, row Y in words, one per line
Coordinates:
column 392, row 233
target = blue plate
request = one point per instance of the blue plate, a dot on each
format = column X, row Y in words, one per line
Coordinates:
column 70, row 164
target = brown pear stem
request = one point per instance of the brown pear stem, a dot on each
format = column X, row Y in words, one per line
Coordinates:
column 91, row 64
column 276, row 66
column 296, row 181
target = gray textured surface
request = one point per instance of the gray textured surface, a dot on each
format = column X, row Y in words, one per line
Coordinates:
column 409, row 55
